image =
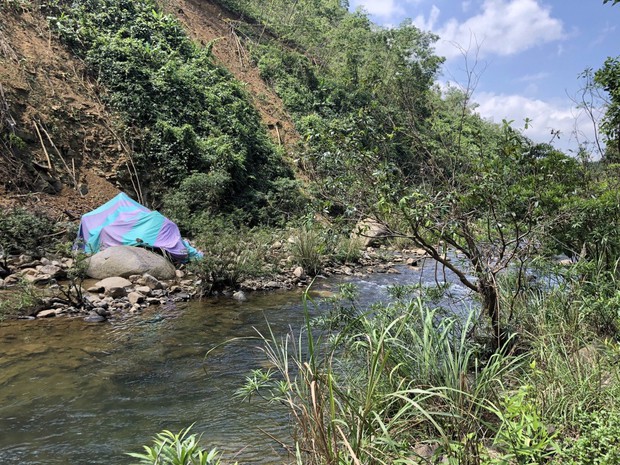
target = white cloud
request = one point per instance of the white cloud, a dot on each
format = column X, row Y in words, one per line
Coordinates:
column 545, row 116
column 501, row 27
column 385, row 9
column 534, row 77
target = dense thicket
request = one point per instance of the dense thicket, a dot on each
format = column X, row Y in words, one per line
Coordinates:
column 195, row 131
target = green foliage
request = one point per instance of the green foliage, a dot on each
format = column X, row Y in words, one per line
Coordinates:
column 24, row 231
column 359, row 396
column 609, row 78
column 522, row 433
column 19, row 300
column 598, row 442
column 232, row 255
column 196, row 126
column 309, row 248
column 176, row 449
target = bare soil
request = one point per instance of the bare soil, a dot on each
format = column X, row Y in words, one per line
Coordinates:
column 69, row 154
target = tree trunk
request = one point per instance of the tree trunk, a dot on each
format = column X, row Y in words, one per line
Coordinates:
column 490, row 304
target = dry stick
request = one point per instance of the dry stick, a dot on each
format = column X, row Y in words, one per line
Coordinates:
column 47, row 156
column 136, row 185
column 60, row 155
column 278, row 133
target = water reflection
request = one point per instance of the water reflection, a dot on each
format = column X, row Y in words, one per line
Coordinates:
column 72, row 392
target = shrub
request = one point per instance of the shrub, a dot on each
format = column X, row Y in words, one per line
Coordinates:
column 21, row 299
column 22, row 231
column 232, row 255
column 598, row 442
column 309, row 249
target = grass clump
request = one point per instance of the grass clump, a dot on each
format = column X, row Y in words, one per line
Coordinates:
column 21, row 299
column 176, row 449
column 387, row 380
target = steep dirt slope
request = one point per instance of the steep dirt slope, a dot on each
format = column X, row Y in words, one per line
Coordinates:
column 206, row 21
column 61, row 137
column 63, row 151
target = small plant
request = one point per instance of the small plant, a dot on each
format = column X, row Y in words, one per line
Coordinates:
column 598, row 442
column 309, row 249
column 230, row 257
column 74, row 292
column 348, row 250
column 176, row 449
column 522, row 432
column 22, row 298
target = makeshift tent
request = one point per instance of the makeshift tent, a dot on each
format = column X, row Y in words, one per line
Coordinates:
column 123, row 221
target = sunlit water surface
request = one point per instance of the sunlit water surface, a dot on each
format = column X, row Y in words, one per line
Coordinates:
column 80, row 394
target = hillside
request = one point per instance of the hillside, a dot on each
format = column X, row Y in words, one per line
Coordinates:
column 64, row 150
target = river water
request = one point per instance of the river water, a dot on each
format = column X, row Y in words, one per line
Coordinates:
column 81, row 394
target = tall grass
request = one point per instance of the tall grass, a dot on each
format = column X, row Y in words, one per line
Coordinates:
column 383, row 383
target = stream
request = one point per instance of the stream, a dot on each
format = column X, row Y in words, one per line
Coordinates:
column 80, row 394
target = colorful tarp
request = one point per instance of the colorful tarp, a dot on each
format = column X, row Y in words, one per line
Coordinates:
column 123, row 221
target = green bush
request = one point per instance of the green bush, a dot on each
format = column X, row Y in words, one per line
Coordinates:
column 20, row 300
column 22, row 231
column 232, row 255
column 598, row 442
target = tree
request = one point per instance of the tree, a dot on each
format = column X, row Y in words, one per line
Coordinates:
column 609, row 78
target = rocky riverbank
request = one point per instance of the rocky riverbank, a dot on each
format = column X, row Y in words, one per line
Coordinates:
column 58, row 294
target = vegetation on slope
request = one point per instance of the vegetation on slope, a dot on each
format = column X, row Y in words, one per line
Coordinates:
column 199, row 144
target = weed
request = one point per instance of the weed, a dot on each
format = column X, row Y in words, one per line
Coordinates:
column 176, row 449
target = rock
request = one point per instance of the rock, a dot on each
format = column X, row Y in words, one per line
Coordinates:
column 144, row 290
column 299, row 272
column 94, row 318
column 276, row 245
column 38, row 279
column 181, row 297
column 423, row 451
column 46, row 313
column 45, row 261
column 113, row 281
column 11, row 279
column 135, row 298
column 370, row 232
column 412, row 261
column 2, row 285
column 151, row 281
column 125, row 261
column 153, row 301
column 180, row 274
column 240, row 296
column 115, row 292
column 53, row 271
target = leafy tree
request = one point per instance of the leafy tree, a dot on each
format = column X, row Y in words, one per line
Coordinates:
column 609, row 78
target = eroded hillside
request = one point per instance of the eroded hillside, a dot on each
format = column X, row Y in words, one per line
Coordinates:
column 63, row 150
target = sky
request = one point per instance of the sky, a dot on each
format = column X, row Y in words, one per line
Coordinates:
column 523, row 56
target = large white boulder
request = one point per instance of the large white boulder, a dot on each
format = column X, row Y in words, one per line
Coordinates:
column 370, row 232
column 124, row 261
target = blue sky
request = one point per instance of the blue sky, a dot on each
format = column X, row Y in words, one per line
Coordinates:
column 527, row 54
